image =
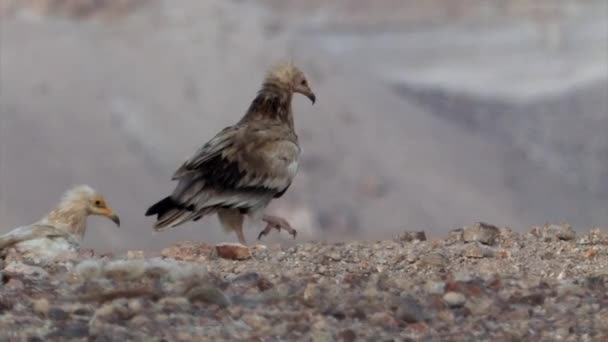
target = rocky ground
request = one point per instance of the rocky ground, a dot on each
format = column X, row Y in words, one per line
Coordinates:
column 481, row 282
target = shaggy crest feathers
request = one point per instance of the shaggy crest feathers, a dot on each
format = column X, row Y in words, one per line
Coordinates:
column 283, row 72
column 77, row 193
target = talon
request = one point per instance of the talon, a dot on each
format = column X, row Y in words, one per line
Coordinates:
column 277, row 223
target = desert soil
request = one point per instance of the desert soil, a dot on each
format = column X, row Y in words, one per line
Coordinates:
column 480, row 282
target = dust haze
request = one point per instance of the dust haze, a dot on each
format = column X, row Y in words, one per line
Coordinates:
column 430, row 114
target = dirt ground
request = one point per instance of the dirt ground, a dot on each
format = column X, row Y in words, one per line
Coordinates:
column 481, row 282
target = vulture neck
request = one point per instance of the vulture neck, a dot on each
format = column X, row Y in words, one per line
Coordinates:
column 272, row 103
column 69, row 217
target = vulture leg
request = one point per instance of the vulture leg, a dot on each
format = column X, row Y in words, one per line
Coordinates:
column 278, row 223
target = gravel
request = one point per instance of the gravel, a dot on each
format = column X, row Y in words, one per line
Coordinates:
column 533, row 286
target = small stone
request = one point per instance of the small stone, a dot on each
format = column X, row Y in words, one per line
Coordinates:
column 562, row 232
column 527, row 297
column 259, row 248
column 477, row 250
column 456, row 235
column 27, row 270
column 311, row 293
column 257, row 322
column 484, row 233
column 554, row 231
column 135, row 255
column 335, row 256
column 479, row 305
column 446, row 316
column 208, row 294
column 410, row 310
column 14, row 284
column 433, row 260
column 590, row 252
column 41, row 306
column 454, row 299
column 419, row 328
column 411, row 236
column 319, row 336
column 77, row 329
column 347, row 335
column 172, row 304
column 233, row 251
column 384, row 319
column 463, row 277
column 139, row 320
column 85, row 253
column 82, row 311
column 58, row 314
column 435, row 287
column 410, row 258
column 596, row 237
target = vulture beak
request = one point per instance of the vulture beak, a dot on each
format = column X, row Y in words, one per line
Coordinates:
column 109, row 213
column 311, row 96
column 115, row 219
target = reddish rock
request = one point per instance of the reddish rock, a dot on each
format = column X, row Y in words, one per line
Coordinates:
column 234, row 251
column 418, row 328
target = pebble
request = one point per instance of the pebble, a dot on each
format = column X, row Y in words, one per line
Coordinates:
column 311, row 293
column 481, row 232
column 41, row 306
column 234, row 251
column 208, row 294
column 551, row 232
column 433, row 260
column 479, row 305
column 407, row 236
column 347, row 335
column 135, row 255
column 58, row 314
column 435, row 287
column 26, row 270
column 454, row 299
column 477, row 250
column 562, row 231
column 410, row 310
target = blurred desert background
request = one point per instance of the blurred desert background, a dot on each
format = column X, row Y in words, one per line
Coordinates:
column 430, row 114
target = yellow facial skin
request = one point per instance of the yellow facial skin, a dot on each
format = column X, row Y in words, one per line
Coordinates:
column 99, row 206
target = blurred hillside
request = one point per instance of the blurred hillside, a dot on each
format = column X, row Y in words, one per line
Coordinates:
column 430, row 114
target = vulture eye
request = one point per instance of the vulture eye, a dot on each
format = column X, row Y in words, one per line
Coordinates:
column 303, row 82
column 98, row 203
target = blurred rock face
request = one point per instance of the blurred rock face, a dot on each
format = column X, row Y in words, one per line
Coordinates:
column 431, row 114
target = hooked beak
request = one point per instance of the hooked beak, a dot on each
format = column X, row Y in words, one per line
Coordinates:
column 115, row 219
column 112, row 216
column 312, row 97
